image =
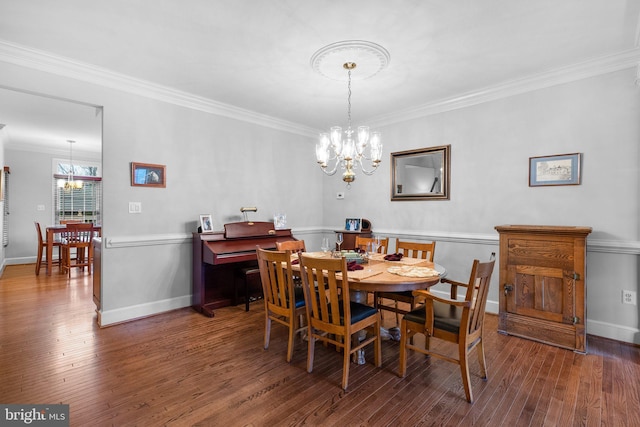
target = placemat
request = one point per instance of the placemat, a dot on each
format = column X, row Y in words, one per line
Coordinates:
column 412, row 271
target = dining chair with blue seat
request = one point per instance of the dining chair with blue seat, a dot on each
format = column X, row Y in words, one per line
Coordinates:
column 331, row 315
column 460, row 322
column 284, row 303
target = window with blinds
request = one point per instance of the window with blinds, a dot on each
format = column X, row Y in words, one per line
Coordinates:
column 80, row 203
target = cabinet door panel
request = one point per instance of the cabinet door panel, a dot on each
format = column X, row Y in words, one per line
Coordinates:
column 540, row 292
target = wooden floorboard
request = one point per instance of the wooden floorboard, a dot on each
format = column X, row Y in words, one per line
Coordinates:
column 183, row 369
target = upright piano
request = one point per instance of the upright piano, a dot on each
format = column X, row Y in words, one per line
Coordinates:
column 218, row 256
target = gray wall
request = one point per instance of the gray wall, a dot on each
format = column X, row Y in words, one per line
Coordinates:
column 217, row 164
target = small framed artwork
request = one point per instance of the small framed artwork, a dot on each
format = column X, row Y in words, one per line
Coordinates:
column 148, row 175
column 561, row 169
column 206, row 224
column 352, row 224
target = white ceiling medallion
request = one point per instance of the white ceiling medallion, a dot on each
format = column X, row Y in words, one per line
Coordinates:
column 370, row 57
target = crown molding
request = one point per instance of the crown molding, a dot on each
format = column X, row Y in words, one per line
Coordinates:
column 66, row 67
column 44, row 61
column 591, row 68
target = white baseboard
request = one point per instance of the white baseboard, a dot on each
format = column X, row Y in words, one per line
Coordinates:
column 125, row 314
column 614, row 332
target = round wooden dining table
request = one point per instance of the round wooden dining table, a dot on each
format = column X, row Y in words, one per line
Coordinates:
column 375, row 276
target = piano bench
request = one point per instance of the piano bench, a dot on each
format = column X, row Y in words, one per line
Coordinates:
column 248, row 278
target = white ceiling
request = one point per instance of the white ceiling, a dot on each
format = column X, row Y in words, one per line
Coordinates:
column 254, row 54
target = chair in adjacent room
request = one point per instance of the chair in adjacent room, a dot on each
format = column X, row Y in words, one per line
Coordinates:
column 42, row 248
column 283, row 303
column 456, row 321
column 331, row 315
column 362, row 242
column 78, row 238
column 420, row 250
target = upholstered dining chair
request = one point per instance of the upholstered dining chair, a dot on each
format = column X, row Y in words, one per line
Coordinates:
column 283, row 303
column 456, row 321
column 79, row 237
column 331, row 316
column 420, row 250
column 362, row 242
column 42, row 248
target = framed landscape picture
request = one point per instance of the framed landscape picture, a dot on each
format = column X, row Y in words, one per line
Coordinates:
column 561, row 169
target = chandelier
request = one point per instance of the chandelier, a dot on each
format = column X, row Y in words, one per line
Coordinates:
column 352, row 149
column 70, row 183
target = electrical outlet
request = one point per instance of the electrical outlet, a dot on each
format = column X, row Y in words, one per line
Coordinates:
column 340, row 196
column 629, row 297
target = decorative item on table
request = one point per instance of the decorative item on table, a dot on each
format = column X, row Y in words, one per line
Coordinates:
column 280, row 221
column 350, row 255
column 393, row 257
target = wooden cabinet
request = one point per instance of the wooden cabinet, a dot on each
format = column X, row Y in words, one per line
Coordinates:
column 543, row 284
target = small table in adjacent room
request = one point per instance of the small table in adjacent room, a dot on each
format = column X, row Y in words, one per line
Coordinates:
column 52, row 230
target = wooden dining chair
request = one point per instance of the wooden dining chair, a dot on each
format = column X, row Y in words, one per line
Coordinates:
column 291, row 245
column 420, row 250
column 283, row 302
column 78, row 237
column 362, row 242
column 331, row 316
column 458, row 322
column 42, row 248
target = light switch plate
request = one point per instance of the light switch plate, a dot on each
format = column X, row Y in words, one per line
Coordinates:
column 135, row 207
column 340, row 196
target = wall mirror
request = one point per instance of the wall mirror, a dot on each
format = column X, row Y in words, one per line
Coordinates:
column 421, row 174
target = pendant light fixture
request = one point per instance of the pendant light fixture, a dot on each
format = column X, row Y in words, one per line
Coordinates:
column 71, row 183
column 350, row 150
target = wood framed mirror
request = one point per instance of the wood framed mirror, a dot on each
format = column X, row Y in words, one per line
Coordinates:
column 421, row 174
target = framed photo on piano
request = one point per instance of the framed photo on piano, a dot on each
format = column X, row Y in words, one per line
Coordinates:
column 206, row 223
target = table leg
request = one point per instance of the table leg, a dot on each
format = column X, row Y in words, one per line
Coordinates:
column 358, row 356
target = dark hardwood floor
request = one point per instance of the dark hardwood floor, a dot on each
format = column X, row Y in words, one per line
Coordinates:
column 182, row 369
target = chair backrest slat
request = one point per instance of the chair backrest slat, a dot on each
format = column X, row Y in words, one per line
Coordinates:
column 416, row 249
column 291, row 245
column 362, row 242
column 327, row 295
column 277, row 279
column 477, row 292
